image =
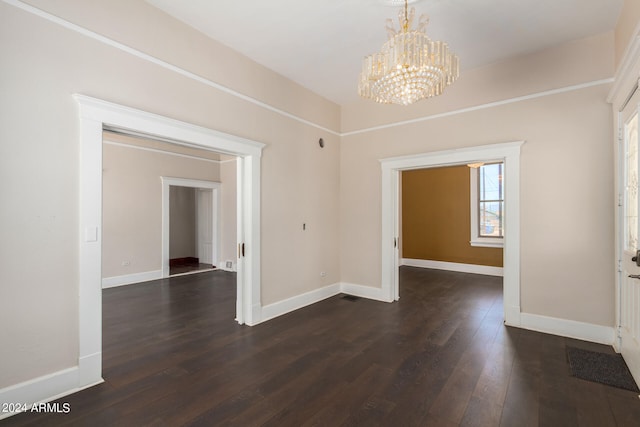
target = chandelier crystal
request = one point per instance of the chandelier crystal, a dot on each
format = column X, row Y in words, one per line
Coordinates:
column 410, row 66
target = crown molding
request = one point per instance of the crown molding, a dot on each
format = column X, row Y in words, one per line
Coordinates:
column 627, row 73
column 483, row 106
column 149, row 58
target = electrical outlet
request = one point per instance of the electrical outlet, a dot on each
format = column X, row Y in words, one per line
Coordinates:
column 323, row 274
column 126, row 263
column 229, row 264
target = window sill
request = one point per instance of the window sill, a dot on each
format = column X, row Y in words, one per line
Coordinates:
column 488, row 243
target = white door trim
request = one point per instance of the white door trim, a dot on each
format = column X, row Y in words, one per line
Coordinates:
column 96, row 115
column 208, row 225
column 391, row 168
column 167, row 182
column 626, row 80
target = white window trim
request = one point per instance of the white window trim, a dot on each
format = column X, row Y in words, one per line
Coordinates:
column 477, row 240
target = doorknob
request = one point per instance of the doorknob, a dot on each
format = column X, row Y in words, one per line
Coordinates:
column 634, row 276
column 636, row 258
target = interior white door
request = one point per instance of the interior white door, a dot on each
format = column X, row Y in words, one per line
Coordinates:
column 629, row 282
column 205, row 228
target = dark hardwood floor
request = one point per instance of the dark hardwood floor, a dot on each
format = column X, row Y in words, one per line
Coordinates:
column 173, row 355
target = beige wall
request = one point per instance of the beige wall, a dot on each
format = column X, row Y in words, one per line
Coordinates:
column 182, row 222
column 132, row 203
column 567, row 230
column 626, row 27
column 44, row 64
column 436, row 218
column 578, row 62
column 567, row 219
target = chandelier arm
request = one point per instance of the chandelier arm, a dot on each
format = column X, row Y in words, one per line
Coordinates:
column 406, row 16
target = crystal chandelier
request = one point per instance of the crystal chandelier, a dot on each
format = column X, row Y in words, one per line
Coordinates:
column 409, row 67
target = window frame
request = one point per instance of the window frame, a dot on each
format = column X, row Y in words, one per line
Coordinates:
column 476, row 239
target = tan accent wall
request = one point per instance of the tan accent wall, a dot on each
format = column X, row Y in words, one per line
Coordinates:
column 436, row 218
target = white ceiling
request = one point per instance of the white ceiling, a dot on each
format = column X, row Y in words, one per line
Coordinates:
column 320, row 43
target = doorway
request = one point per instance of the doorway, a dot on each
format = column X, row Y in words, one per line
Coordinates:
column 509, row 153
column 95, row 116
column 447, row 224
column 191, row 228
column 628, row 289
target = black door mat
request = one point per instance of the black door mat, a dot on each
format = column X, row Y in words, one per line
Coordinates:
column 609, row 369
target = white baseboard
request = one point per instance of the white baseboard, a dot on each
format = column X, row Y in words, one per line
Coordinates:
column 294, row 303
column 363, row 291
column 290, row 304
column 568, row 328
column 52, row 386
column 128, row 279
column 512, row 315
column 454, row 266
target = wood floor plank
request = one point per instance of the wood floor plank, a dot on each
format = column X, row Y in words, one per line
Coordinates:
column 440, row 356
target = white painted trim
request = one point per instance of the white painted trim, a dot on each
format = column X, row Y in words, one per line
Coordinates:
column 44, row 389
column 626, row 79
column 156, row 150
column 288, row 305
column 454, row 266
column 299, row 301
column 123, row 118
column 510, row 153
column 129, row 279
column 146, row 57
column 167, row 182
column 364, row 292
column 248, row 227
column 482, row 106
column 568, row 328
column 141, row 55
column 627, row 73
column 94, row 116
column 190, row 273
column 487, row 242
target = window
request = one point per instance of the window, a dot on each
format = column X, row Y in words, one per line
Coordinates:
column 487, row 205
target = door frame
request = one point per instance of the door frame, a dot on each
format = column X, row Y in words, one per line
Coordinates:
column 96, row 115
column 213, row 218
column 627, row 79
column 167, row 182
column 627, row 298
column 509, row 152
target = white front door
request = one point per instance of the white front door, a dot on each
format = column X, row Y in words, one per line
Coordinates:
column 629, row 281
